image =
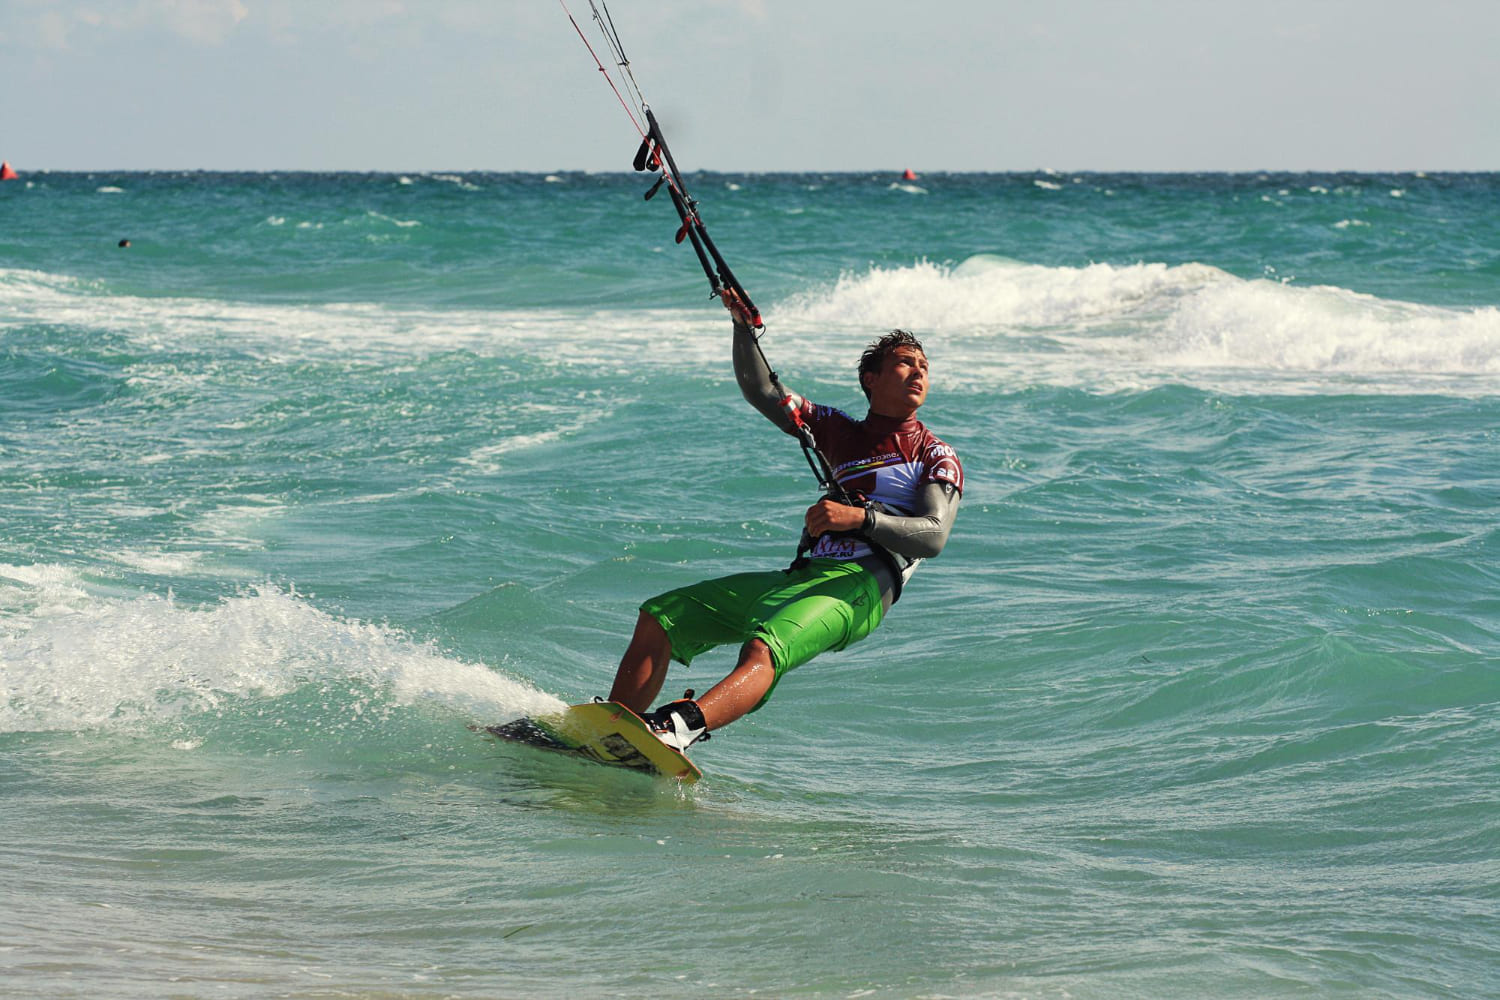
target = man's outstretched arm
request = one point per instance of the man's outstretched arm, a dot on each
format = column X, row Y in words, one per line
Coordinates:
column 750, row 369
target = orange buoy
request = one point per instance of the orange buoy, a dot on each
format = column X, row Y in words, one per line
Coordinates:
column 910, row 175
column 6, row 173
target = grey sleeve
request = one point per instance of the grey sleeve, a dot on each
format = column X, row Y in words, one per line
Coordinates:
column 755, row 378
column 925, row 532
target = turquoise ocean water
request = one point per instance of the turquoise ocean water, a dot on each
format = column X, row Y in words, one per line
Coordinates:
column 1201, row 701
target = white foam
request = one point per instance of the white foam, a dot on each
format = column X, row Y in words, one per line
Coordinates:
column 348, row 332
column 996, row 294
column 398, row 223
column 77, row 661
column 239, row 526
column 487, row 459
column 1116, row 326
column 998, row 321
column 172, row 564
column 1266, row 325
column 41, row 589
column 455, row 180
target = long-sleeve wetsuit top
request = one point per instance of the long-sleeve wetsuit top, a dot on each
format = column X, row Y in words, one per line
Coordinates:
column 912, row 480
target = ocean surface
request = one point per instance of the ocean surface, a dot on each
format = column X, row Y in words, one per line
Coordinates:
column 1201, row 701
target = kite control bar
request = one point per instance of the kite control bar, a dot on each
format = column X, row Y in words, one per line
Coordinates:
column 653, row 154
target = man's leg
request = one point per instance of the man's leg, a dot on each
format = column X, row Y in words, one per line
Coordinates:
column 680, row 724
column 743, row 689
column 643, row 668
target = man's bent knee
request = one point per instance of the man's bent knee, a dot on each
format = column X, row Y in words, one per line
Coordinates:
column 756, row 651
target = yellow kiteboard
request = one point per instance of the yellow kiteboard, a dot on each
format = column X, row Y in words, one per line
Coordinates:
column 602, row 731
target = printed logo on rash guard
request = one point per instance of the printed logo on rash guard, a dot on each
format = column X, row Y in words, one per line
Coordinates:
column 861, row 466
column 944, row 466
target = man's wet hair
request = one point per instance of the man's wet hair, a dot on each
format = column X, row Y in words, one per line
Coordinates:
column 873, row 360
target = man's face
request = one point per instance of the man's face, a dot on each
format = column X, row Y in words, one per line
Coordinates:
column 901, row 384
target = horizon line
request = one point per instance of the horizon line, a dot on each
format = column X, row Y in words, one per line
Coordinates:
column 933, row 172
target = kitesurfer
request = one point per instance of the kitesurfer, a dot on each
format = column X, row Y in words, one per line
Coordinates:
column 904, row 486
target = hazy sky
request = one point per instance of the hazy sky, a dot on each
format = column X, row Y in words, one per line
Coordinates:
column 754, row 84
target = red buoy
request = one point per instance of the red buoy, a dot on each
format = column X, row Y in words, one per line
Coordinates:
column 910, row 175
column 6, row 173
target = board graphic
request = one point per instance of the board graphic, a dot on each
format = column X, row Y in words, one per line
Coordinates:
column 605, row 732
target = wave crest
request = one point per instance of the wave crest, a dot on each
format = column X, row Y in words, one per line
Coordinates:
column 72, row 661
column 1154, row 317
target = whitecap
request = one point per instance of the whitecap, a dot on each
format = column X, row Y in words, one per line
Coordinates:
column 487, row 458
column 988, row 291
column 159, row 563
column 1268, row 326
column 994, row 320
column 92, row 662
column 399, row 223
column 455, row 180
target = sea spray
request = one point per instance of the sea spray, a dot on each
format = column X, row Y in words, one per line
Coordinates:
column 76, row 661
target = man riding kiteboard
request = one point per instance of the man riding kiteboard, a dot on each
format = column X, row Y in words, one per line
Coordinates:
column 894, row 494
column 892, row 491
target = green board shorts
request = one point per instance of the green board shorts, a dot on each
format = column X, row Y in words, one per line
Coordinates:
column 798, row 614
